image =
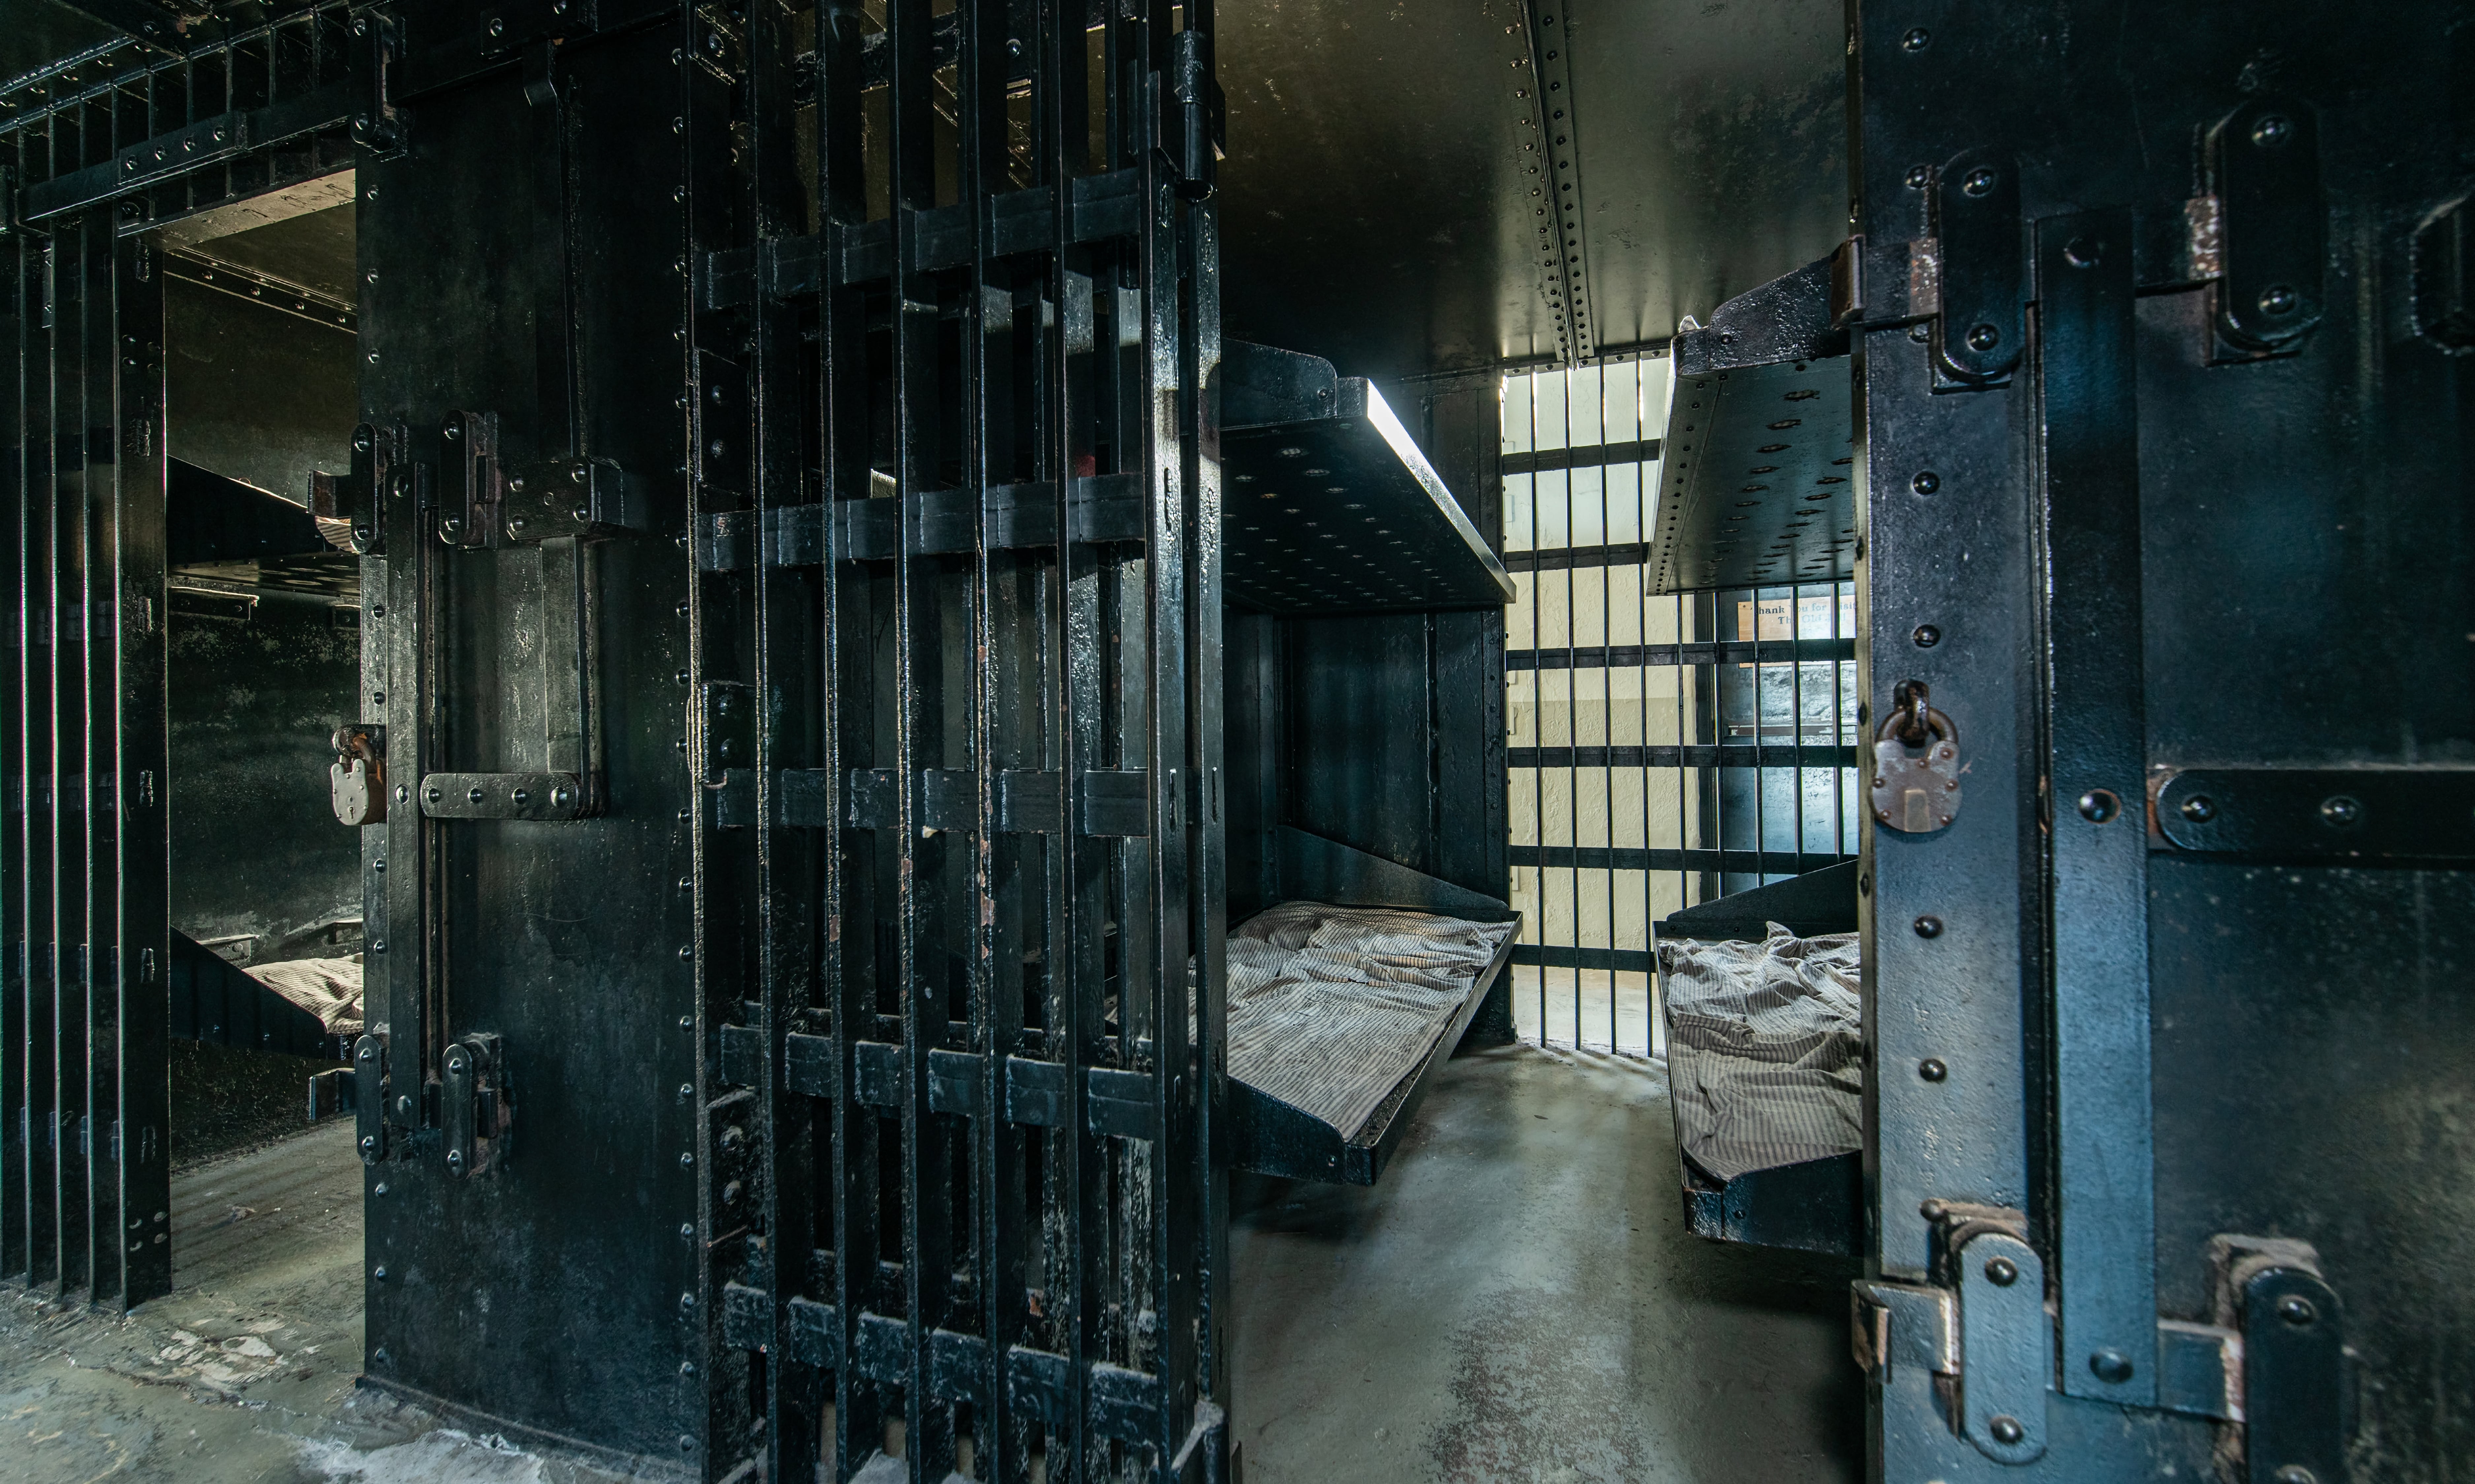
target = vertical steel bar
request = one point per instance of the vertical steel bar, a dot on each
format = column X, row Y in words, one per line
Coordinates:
column 917, row 405
column 2087, row 391
column 137, row 1224
column 17, row 404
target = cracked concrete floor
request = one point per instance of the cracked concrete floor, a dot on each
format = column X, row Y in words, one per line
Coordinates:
column 1519, row 1302
column 244, row 1372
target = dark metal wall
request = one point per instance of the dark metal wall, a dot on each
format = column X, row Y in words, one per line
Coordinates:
column 2169, row 451
column 255, row 692
column 1382, row 731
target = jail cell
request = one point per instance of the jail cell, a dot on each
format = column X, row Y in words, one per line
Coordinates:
column 1666, row 745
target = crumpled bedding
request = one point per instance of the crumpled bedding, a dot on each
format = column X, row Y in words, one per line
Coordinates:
column 329, row 989
column 1764, row 1049
column 1330, row 1007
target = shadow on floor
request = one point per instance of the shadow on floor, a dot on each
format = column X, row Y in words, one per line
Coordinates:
column 1520, row 1300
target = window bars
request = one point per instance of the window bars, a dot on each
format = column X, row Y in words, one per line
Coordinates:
column 1663, row 750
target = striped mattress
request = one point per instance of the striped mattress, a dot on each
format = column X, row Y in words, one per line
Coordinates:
column 1330, row 1007
column 1763, row 1047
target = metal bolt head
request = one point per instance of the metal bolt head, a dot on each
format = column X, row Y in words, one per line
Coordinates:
column 1926, row 482
column 1926, row 635
column 1928, row 927
column 2099, row 805
column 2296, row 1310
column 455, row 1160
column 687, row 1160
column 369, row 1146
column 2005, row 1430
column 2278, row 299
column 2338, row 811
column 403, row 1108
column 2083, row 251
column 2295, row 1473
column 686, row 1231
column 379, row 1273
column 1983, row 337
column 1978, row 182
column 1931, row 1069
column 2112, row 1367
column 497, row 28
column 2271, row 130
column 1916, row 40
column 1919, row 177
column 432, row 793
column 2002, row 1272
column 474, row 796
column 2199, row 809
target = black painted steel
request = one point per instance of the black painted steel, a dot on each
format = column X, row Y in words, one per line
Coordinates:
column 85, row 1168
column 1758, row 482
column 2089, row 426
column 1334, row 508
column 1422, row 238
column 2207, row 505
column 970, row 576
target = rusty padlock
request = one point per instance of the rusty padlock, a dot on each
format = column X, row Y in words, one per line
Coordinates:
column 1916, row 763
column 357, row 780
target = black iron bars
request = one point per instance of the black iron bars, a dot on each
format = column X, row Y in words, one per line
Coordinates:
column 85, row 1168
column 983, row 815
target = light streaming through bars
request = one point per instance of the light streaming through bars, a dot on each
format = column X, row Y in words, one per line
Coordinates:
column 1645, row 778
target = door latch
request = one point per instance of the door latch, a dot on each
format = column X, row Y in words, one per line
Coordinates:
column 474, row 1111
column 357, row 780
column 1916, row 763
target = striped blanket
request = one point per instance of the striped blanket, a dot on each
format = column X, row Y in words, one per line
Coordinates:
column 1763, row 1048
column 1330, row 1007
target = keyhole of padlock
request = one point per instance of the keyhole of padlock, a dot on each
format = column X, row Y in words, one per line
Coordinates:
column 1915, row 782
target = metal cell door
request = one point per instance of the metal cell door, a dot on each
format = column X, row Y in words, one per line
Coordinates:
column 2162, row 324
column 788, row 464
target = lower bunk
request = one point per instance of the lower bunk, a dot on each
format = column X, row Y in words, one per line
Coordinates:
column 1343, row 1005
column 1765, row 1064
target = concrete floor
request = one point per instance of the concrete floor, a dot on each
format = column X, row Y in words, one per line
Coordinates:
column 1518, row 1300
column 243, row 1374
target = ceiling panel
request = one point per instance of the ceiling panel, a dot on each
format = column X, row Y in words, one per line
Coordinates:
column 1374, row 200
